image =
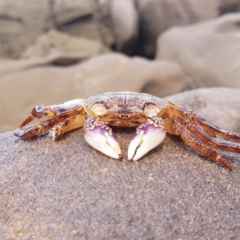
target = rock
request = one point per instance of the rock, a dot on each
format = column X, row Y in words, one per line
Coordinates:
column 55, row 42
column 67, row 190
column 208, row 51
column 227, row 6
column 125, row 26
column 42, row 82
column 20, row 24
column 90, row 19
column 157, row 16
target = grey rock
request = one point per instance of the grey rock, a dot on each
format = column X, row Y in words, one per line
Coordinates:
column 55, row 42
column 207, row 51
column 24, row 84
column 67, row 190
column 125, row 25
column 22, row 22
column 156, row 16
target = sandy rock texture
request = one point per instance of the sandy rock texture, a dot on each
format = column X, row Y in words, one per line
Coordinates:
column 207, row 51
column 25, row 84
column 67, row 190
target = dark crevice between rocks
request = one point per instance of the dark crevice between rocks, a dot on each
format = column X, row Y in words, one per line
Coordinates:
column 75, row 21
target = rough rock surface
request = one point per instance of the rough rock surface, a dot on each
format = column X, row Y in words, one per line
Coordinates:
column 208, row 51
column 67, row 190
column 26, row 84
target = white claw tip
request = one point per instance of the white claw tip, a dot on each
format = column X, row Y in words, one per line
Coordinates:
column 146, row 140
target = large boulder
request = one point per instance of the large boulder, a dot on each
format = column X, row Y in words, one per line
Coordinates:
column 67, row 190
column 24, row 84
column 208, row 51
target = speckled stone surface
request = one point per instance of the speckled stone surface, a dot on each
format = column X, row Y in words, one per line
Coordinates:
column 67, row 190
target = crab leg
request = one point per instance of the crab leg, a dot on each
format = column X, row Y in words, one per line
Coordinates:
column 69, row 108
column 208, row 127
column 100, row 137
column 147, row 137
column 210, row 141
column 58, row 126
column 190, row 139
column 67, row 125
column 33, row 130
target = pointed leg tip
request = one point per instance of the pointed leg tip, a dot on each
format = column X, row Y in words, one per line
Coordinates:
column 18, row 133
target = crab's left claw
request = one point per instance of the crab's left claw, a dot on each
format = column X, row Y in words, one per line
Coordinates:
column 100, row 137
column 147, row 137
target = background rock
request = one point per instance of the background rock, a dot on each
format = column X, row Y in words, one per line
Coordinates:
column 67, row 190
column 207, row 52
column 90, row 19
column 22, row 22
column 26, row 84
column 125, row 25
column 157, row 16
column 131, row 28
column 55, row 42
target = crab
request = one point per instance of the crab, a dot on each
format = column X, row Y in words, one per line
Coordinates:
column 152, row 116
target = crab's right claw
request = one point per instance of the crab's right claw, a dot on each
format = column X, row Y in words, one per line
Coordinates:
column 147, row 137
column 100, row 137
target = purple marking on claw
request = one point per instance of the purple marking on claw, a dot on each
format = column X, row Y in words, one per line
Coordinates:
column 147, row 137
column 101, row 138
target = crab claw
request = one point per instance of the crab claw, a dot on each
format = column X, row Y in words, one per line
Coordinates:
column 147, row 137
column 100, row 137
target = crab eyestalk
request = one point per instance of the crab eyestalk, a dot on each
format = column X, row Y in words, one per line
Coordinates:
column 147, row 137
column 100, row 137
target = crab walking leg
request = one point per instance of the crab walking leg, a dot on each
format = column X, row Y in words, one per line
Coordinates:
column 200, row 147
column 33, row 130
column 57, row 126
column 69, row 108
column 210, row 141
column 209, row 128
column 67, row 125
column 100, row 137
column 147, row 137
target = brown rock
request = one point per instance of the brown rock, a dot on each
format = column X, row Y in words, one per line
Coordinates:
column 37, row 82
column 67, row 190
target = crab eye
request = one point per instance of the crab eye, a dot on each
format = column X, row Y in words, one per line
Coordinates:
column 98, row 109
column 151, row 110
